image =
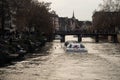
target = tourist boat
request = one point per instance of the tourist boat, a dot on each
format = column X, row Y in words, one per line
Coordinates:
column 75, row 47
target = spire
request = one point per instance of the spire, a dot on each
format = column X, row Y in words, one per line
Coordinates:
column 73, row 15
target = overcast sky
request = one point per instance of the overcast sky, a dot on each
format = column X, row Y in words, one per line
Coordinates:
column 83, row 9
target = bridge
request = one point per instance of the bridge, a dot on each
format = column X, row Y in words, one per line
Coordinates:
column 81, row 34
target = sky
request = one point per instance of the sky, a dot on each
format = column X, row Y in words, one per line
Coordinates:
column 83, row 9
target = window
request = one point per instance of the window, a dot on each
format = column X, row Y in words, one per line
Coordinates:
column 70, row 46
column 76, row 46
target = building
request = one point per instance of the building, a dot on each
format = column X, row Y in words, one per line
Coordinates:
column 55, row 21
column 7, row 16
column 106, row 21
column 73, row 24
column 68, row 24
column 63, row 23
column 86, row 25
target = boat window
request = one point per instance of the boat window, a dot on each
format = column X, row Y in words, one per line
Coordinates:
column 70, row 46
column 76, row 46
column 82, row 46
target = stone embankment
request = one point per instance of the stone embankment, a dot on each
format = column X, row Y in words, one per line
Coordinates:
column 119, row 37
column 18, row 49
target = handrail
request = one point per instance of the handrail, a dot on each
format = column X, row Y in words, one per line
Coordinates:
column 85, row 32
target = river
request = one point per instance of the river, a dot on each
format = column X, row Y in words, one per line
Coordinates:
column 102, row 62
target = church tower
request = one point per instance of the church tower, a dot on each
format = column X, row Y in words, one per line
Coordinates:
column 73, row 22
column 73, row 15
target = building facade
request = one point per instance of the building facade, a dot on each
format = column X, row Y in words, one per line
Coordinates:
column 106, row 21
column 7, row 16
column 55, row 21
column 72, row 24
column 68, row 24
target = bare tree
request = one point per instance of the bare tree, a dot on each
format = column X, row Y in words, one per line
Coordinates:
column 117, row 5
column 110, row 5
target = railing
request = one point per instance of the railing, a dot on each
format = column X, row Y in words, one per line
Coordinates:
column 86, row 32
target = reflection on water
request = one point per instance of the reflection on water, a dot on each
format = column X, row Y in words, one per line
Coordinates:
column 74, row 38
column 102, row 62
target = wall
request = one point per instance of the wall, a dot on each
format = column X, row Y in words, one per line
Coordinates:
column 119, row 37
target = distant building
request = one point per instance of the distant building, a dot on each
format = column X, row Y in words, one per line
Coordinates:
column 73, row 24
column 87, row 26
column 68, row 24
column 106, row 21
column 55, row 21
column 8, row 13
column 63, row 23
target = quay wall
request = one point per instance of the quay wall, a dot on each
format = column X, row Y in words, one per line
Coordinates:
column 119, row 37
column 110, row 38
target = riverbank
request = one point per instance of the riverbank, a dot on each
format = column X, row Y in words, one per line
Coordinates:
column 19, row 49
column 43, row 51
